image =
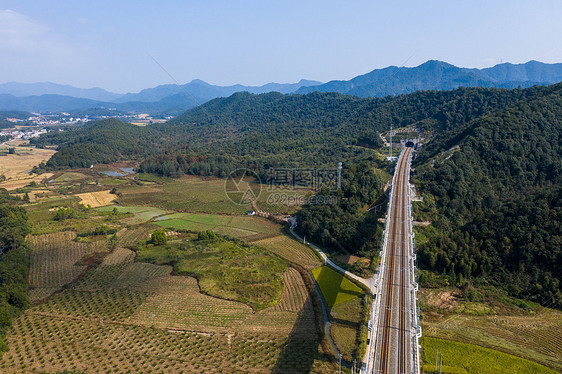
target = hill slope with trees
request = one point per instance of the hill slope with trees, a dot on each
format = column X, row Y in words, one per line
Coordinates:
column 497, row 199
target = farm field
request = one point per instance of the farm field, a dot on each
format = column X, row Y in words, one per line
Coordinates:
column 345, row 338
column 248, row 228
column 192, row 194
column 15, row 166
column 204, row 195
column 70, row 177
column 135, row 317
column 291, row 250
column 54, row 261
column 462, row 358
column 96, row 199
column 41, row 215
column 532, row 332
column 343, row 301
column 97, row 309
column 140, row 214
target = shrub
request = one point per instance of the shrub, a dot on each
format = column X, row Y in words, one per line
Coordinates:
column 64, row 213
column 158, row 237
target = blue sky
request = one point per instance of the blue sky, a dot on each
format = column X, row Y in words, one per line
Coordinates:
column 109, row 43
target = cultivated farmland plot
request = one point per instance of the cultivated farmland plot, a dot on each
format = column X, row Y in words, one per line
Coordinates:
column 164, row 324
column 53, row 260
column 291, row 250
column 96, row 199
column 130, row 237
column 465, row 358
column 537, row 337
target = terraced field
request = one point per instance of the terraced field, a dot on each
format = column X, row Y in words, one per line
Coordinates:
column 295, row 294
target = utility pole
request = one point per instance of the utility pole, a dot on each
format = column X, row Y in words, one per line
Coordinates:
column 436, row 358
column 441, row 363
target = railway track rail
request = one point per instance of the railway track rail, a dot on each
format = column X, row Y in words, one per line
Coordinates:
column 394, row 349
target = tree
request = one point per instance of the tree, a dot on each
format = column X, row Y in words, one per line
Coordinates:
column 13, row 226
column 159, row 237
column 11, row 150
column 206, row 235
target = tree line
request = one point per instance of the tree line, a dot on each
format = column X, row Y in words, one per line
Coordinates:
column 14, row 262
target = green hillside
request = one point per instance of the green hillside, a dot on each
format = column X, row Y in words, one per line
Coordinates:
column 496, row 202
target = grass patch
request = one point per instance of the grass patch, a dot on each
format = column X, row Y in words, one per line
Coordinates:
column 344, row 337
column 226, row 269
column 41, row 215
column 140, row 213
column 70, row 177
column 335, row 288
column 472, row 359
column 180, row 224
column 348, row 311
column 242, row 227
column 112, row 181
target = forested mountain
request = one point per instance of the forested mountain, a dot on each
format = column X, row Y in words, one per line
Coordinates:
column 496, row 186
column 259, row 131
column 438, row 75
column 102, row 141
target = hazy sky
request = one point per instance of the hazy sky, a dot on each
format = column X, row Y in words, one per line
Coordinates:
column 109, row 43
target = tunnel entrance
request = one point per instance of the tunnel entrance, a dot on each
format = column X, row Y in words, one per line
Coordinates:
column 410, row 144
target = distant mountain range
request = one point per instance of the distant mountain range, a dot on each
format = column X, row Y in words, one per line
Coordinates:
column 438, row 75
column 169, row 99
column 202, row 91
column 48, row 88
column 173, row 99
